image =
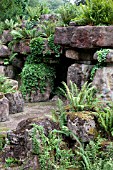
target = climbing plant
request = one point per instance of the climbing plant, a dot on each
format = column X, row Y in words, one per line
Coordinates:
column 35, row 77
column 101, row 57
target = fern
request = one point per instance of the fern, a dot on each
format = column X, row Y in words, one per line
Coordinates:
column 84, row 99
column 105, row 119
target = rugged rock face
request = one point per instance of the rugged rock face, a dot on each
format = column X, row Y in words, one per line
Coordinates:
column 78, row 73
column 4, row 108
column 87, row 37
column 82, row 55
column 6, row 36
column 82, row 124
column 103, row 80
column 21, row 144
column 4, row 51
column 16, row 102
column 22, row 47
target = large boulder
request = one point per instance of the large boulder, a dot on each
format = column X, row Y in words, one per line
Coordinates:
column 21, row 143
column 82, row 125
column 103, row 81
column 78, row 73
column 4, row 108
column 87, row 37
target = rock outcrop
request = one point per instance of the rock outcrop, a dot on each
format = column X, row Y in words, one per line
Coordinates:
column 82, row 124
column 85, row 37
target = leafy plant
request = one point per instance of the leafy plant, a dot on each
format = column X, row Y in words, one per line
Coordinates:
column 67, row 12
column 10, row 24
column 10, row 160
column 93, row 158
column 36, row 46
column 48, row 27
column 53, row 47
column 33, row 12
column 101, row 58
column 84, row 99
column 50, row 150
column 24, row 33
column 35, row 77
column 105, row 119
column 5, row 85
column 95, row 12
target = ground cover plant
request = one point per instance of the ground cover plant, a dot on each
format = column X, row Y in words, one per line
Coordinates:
column 53, row 150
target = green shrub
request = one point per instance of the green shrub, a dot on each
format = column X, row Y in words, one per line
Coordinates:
column 35, row 77
column 95, row 12
column 67, row 12
column 5, row 85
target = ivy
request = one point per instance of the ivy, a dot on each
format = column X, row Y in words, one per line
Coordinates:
column 35, row 76
column 36, row 45
column 53, row 47
column 101, row 57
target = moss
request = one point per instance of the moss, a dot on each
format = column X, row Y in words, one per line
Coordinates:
column 84, row 115
column 93, row 131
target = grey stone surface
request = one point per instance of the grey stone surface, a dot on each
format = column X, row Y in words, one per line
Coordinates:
column 78, row 73
column 4, row 51
column 2, row 70
column 82, row 124
column 16, row 102
column 103, row 80
column 4, row 108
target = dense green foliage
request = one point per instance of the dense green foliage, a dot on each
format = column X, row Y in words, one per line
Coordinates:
column 5, row 85
column 36, row 77
column 67, row 12
column 95, row 12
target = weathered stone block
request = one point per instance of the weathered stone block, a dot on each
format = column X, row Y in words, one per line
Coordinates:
column 22, row 47
column 82, row 124
column 103, row 80
column 82, row 55
column 72, row 54
column 4, row 108
column 9, row 71
column 16, row 102
column 78, row 74
column 86, row 37
column 6, row 36
column 4, row 51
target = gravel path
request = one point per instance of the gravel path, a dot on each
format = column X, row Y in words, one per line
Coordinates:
column 40, row 109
